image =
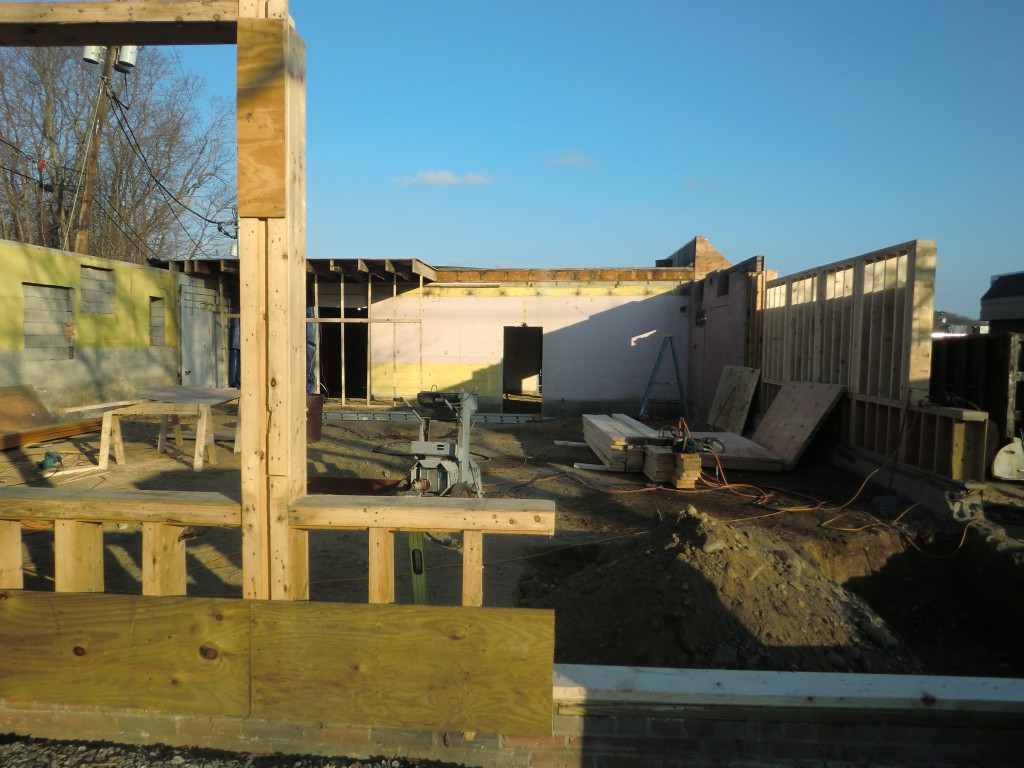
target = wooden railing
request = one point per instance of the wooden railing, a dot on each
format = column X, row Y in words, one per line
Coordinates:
column 78, row 531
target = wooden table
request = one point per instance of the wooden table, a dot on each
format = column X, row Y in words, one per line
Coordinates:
column 170, row 404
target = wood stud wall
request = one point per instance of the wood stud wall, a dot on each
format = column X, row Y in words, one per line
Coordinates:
column 866, row 323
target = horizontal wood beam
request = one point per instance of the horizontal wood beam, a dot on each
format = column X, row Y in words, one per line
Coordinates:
column 183, row 22
column 115, row 506
column 421, row 513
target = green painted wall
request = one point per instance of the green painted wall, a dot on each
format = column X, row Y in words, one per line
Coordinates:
column 126, row 328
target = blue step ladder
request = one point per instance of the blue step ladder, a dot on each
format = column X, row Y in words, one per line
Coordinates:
column 670, row 344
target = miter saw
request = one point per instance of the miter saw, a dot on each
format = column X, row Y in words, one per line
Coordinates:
column 445, row 468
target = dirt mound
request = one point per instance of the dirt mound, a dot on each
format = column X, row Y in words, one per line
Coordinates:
column 699, row 593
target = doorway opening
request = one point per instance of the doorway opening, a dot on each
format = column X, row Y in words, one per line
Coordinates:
column 355, row 354
column 521, row 369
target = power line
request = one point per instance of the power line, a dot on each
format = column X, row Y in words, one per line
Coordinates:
column 122, row 118
column 129, row 136
column 138, row 241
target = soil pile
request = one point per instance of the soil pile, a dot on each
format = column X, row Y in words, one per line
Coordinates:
column 699, row 593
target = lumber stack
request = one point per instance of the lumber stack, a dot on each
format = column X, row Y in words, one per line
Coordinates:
column 659, row 463
column 687, row 470
column 620, row 448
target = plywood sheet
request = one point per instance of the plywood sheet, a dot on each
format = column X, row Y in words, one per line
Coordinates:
column 469, row 669
column 21, row 409
column 796, row 414
column 736, row 388
column 183, row 654
column 191, row 395
column 739, row 453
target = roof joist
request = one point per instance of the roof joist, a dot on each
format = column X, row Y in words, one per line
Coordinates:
column 183, row 22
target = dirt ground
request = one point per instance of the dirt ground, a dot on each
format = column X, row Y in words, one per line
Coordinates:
column 788, row 571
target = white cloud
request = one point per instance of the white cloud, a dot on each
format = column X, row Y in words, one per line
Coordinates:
column 444, row 179
column 571, row 160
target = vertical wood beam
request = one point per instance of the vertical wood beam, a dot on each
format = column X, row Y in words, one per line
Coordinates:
column 382, row 566
column 11, row 574
column 163, row 559
column 473, row 568
column 78, row 556
column 271, row 200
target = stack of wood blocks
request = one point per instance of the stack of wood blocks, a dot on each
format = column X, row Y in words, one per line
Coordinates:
column 663, row 465
column 620, row 448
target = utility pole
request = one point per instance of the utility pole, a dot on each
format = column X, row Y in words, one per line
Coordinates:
column 92, row 162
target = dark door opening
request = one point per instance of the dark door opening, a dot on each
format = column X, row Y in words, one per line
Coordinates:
column 355, row 354
column 521, row 369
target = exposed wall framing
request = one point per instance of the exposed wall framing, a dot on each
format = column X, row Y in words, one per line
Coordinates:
column 866, row 323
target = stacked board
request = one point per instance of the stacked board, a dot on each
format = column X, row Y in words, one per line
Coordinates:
column 620, row 448
column 663, row 465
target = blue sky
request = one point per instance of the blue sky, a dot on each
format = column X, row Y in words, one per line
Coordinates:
column 529, row 134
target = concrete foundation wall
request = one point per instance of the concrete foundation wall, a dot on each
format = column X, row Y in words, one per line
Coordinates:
column 600, row 342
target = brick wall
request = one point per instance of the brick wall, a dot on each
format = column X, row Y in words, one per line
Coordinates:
column 651, row 740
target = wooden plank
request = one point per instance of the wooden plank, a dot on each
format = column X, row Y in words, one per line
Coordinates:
column 794, row 417
column 736, row 388
column 262, row 125
column 416, row 513
column 639, row 427
column 739, row 453
column 163, row 653
column 51, row 432
column 163, row 559
column 473, row 568
column 486, row 670
column 203, row 508
column 382, row 566
column 21, row 409
column 184, row 22
column 209, row 396
column 78, row 556
column 579, row 685
column 12, row 575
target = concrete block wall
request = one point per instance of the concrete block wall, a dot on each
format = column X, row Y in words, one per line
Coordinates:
column 111, row 351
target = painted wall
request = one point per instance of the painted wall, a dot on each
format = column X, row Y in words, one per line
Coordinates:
column 111, row 353
column 600, row 341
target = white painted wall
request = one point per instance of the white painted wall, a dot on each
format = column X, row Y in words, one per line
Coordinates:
column 596, row 347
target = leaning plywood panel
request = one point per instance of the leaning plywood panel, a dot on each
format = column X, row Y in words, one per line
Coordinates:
column 797, row 412
column 735, row 390
column 172, row 654
column 469, row 669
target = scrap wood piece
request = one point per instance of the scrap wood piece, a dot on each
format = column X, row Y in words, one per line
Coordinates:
column 736, row 388
column 43, row 434
column 796, row 414
column 21, row 409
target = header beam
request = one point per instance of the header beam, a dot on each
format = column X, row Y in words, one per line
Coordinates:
column 183, row 22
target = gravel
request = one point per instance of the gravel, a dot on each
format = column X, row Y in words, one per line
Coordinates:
column 22, row 752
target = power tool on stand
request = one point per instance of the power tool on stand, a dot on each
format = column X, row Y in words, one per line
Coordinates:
column 442, row 468
column 445, row 468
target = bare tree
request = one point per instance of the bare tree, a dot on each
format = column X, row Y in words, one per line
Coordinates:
column 164, row 187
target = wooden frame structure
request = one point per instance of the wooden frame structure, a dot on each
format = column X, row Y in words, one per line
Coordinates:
column 866, row 323
column 273, row 513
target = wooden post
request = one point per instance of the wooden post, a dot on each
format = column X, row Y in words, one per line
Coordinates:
column 78, row 556
column 11, row 574
column 271, row 202
column 473, row 568
column 382, row 566
column 163, row 559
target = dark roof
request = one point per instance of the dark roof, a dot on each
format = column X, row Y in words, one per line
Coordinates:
column 1006, row 286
